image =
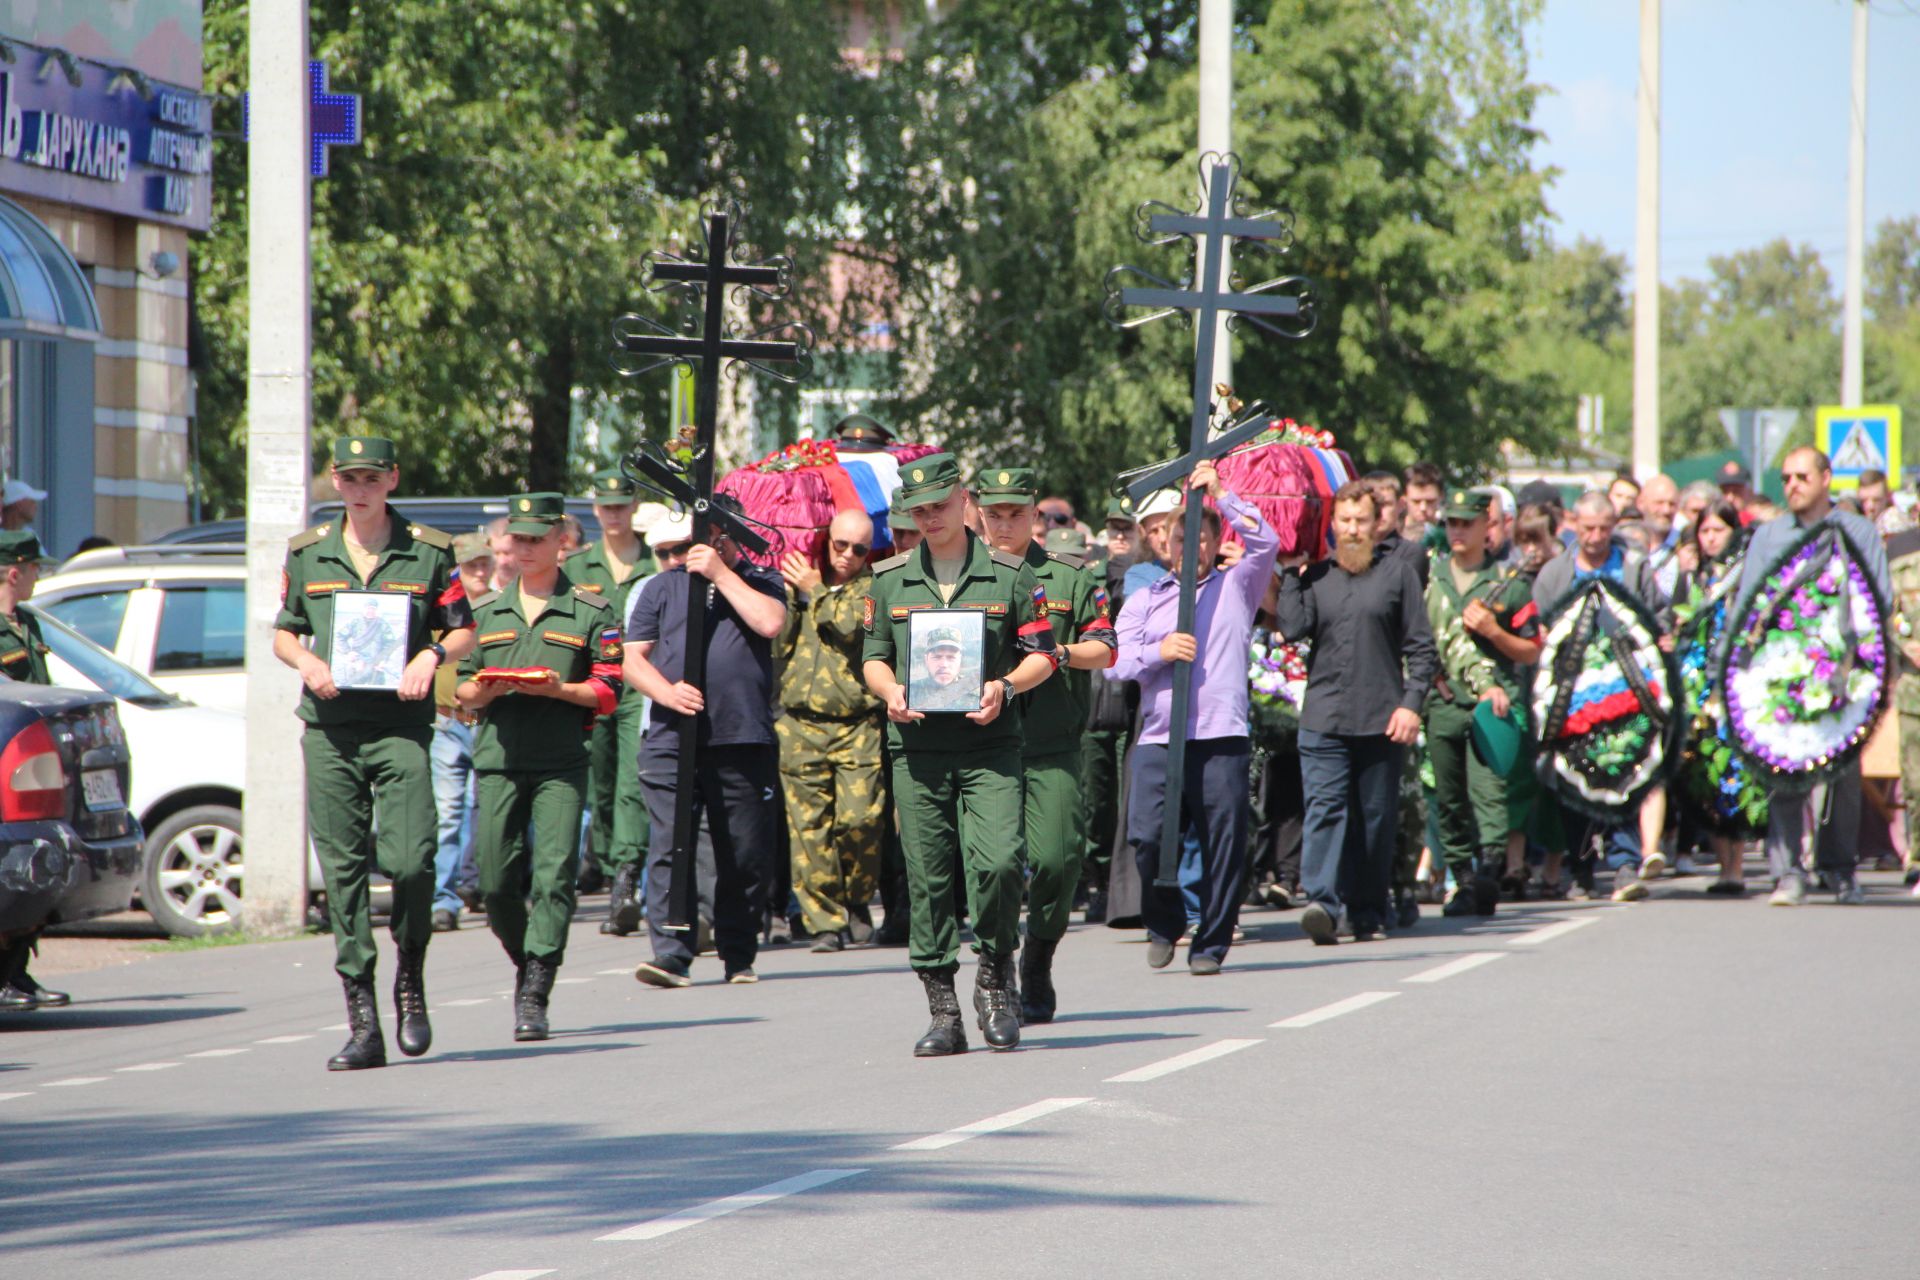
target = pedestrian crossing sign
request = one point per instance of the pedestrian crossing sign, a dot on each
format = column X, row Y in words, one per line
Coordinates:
column 1857, row 439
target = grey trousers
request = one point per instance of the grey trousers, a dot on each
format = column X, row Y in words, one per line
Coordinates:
column 1835, row 809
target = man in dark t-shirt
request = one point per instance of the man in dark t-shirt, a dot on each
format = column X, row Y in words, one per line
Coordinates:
column 737, row 778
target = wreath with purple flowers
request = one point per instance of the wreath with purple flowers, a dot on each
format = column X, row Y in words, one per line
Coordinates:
column 1805, row 668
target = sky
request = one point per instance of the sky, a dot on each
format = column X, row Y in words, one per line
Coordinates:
column 1754, row 137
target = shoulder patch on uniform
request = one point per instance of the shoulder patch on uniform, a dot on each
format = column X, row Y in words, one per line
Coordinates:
column 431, row 536
column 482, row 600
column 892, row 562
column 1006, row 560
column 1072, row 562
column 301, row 541
column 591, row 597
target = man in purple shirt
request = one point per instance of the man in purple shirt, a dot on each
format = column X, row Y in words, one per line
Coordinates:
column 1214, row 789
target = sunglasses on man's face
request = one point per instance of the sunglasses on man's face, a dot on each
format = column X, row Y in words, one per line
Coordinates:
column 841, row 548
column 1058, row 517
column 672, row 550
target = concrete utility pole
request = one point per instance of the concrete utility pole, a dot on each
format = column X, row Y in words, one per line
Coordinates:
column 279, row 384
column 1646, row 254
column 1851, row 342
column 1216, row 135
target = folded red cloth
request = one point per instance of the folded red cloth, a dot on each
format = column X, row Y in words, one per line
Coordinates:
column 513, row 675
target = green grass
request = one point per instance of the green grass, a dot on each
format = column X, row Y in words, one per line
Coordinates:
column 238, row 938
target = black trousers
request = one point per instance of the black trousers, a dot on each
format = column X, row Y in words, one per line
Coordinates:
column 1279, row 808
column 1352, row 785
column 737, row 790
column 1213, row 795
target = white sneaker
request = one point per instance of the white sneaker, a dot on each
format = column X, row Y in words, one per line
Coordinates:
column 1790, row 892
column 1850, row 894
column 1629, row 890
column 1652, row 865
column 1684, row 865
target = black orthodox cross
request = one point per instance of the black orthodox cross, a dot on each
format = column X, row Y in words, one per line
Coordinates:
column 1220, row 217
column 682, row 471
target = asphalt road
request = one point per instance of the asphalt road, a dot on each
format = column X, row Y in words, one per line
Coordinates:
column 1684, row 1087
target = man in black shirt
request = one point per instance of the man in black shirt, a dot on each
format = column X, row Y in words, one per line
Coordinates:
column 1367, row 676
column 738, row 773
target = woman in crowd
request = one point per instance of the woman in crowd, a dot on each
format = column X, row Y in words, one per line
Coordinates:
column 1724, row 796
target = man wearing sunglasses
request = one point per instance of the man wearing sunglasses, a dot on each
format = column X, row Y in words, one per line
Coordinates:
column 830, row 737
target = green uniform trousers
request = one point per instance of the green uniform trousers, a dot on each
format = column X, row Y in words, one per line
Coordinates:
column 1470, row 799
column 355, row 773
column 836, row 813
column 965, row 804
column 618, row 814
column 1055, row 841
column 1103, row 756
column 1910, row 781
column 529, row 850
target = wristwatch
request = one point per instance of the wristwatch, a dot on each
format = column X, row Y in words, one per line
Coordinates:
column 1006, row 687
column 439, row 652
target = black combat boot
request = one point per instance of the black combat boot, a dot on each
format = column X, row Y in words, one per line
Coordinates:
column 410, row 1003
column 623, row 903
column 994, row 1001
column 1036, row 981
column 946, row 1034
column 1486, row 889
column 365, row 1047
column 530, row 1005
column 1463, row 901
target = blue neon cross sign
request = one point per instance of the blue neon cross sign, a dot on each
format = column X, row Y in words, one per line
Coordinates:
column 333, row 119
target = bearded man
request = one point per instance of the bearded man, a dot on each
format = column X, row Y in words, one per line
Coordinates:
column 1367, row 676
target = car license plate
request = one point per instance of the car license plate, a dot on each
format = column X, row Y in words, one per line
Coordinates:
column 102, row 789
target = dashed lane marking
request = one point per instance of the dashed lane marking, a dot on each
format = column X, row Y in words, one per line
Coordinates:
column 992, row 1124
column 1352, row 1004
column 1441, row 972
column 9, row 1097
column 700, row 1213
column 1548, row 933
column 337, row 1026
column 461, row 1004
column 218, row 1053
column 150, row 1066
column 515, row 1275
column 624, row 972
column 62, row 1084
column 1180, row 1062
column 568, row 982
column 283, row 1039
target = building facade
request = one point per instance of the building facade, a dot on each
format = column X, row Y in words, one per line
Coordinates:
column 106, row 161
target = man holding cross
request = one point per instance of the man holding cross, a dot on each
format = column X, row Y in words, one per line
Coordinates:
column 1213, row 788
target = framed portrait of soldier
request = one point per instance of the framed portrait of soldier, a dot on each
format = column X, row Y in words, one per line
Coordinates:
column 368, row 647
column 946, row 650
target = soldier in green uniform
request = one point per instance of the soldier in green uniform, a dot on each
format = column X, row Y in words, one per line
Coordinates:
column 611, row 568
column 830, row 737
column 1486, row 629
column 367, row 750
column 1903, row 566
column 23, row 657
column 946, row 765
column 545, row 663
column 1054, row 717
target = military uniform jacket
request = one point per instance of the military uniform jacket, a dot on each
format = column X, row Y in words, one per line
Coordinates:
column 418, row 561
column 1903, row 568
column 997, row 584
column 1055, row 713
column 590, row 570
column 819, row 652
column 577, row 636
column 23, row 654
column 1469, row 664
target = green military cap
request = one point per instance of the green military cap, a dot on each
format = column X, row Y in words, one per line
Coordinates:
column 535, row 514
column 1005, row 484
column 1120, row 510
column 898, row 517
column 1466, row 504
column 364, row 453
column 927, row 480
column 21, row 546
column 1068, row 542
column 468, row 546
column 612, row 486
column 943, row 638
column 858, row 428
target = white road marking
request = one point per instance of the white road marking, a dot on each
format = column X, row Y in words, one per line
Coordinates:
column 283, row 1039
column 1352, row 1004
column 218, row 1053
column 338, row 1026
column 625, row 972
column 1440, row 973
column 1180, row 1062
column 62, row 1084
column 461, row 1004
column 992, row 1124
column 567, row 982
column 9, row 1097
column 515, row 1275
column 1548, row 933
column 732, row 1204
column 150, row 1066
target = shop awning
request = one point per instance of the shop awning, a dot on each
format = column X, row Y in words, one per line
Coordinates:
column 42, row 292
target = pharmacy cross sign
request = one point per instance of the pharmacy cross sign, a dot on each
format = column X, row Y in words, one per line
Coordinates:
column 1287, row 305
column 681, row 472
column 333, row 119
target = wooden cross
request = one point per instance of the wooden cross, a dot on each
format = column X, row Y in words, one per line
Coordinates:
column 1220, row 218
column 683, row 474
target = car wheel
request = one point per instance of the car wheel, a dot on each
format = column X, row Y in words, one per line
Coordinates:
column 194, row 868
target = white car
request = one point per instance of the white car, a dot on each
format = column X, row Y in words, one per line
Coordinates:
column 189, row 763
column 175, row 614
